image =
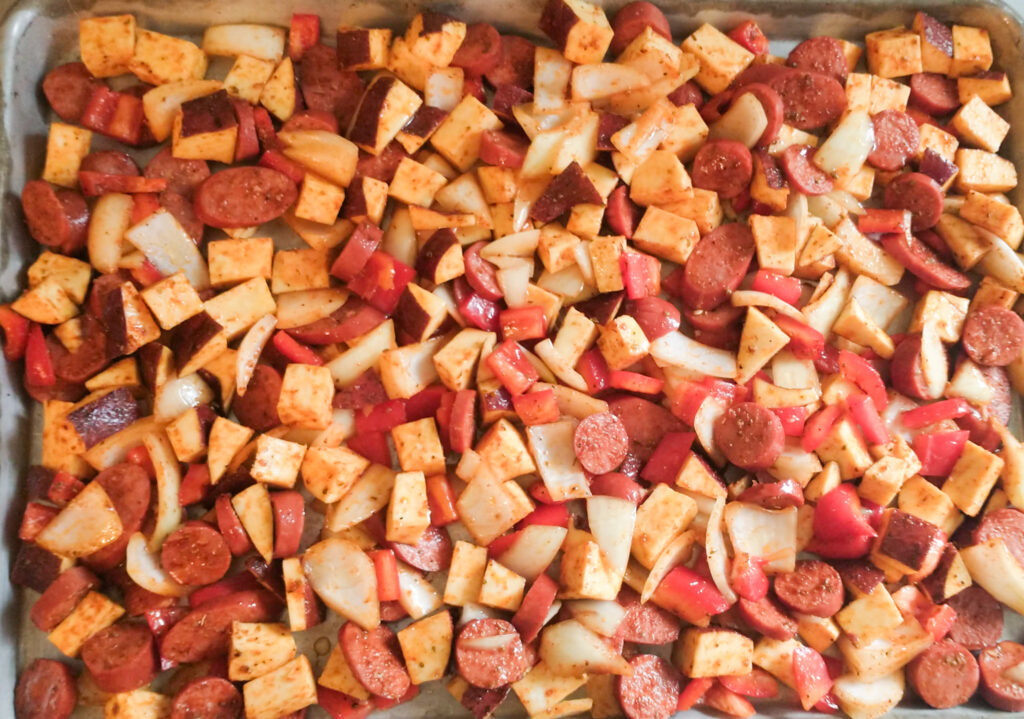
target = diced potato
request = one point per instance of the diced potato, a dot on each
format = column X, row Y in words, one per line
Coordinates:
column 185, row 433
column 713, row 652
column 408, row 514
column 137, row 704
column 160, row 59
column 663, row 516
column 258, row 648
column 972, row 51
column 237, row 309
column 978, row 124
column 466, row 574
column 504, row 452
column 501, row 587
column 172, row 300
column 622, row 342
column 426, row 646
column 337, row 675
column 94, row 613
column 287, row 689
column 721, row 58
column 226, row 439
column 277, row 461
column 66, row 145
column 236, row 260
column 279, row 93
column 775, row 238
column 893, row 53
column 306, row 394
column 418, row 446
column 107, row 44
column 984, row 172
column 973, row 477
column 247, row 78
column 458, row 137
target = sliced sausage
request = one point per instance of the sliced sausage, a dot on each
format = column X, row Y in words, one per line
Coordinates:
column 230, row 526
column 652, row 692
column 617, row 484
column 630, row 21
column 503, row 149
column 689, row 93
column 392, row 611
column 896, row 140
column 822, row 55
column 645, row 422
column 207, row 698
column 480, row 50
column 184, row 211
column 646, row 623
column 375, row 659
column 811, row 100
column 944, row 675
column 723, row 166
column 717, row 265
column 61, row 597
column 46, row 690
column 979, row 618
column 750, row 436
column 289, row 520
column 774, row 495
column 57, row 218
column 109, row 162
column 244, row 197
column 196, row 554
column 721, row 318
column 433, row 553
column 482, row 703
column 129, row 489
column 120, row 658
column 656, row 317
column 814, row 588
column 311, row 120
column 918, row 193
column 515, row 66
column 493, row 663
column 933, row 93
column 802, row 173
column 766, row 617
column 1006, row 524
column 257, row 408
column 326, row 87
column 481, row 274
column 993, row 335
column 622, row 214
column 773, row 108
column 997, row 689
column 68, row 88
column 601, row 442
column 205, row 632
column 923, row 263
column 183, row 176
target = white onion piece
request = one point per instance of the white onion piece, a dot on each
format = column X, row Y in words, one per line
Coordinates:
column 514, row 281
column 892, row 416
column 145, row 569
column 533, row 550
column 110, row 218
column 676, row 349
column 553, row 610
column 847, row 148
column 400, row 237
column 570, row 649
column 603, row 616
column 612, row 521
column 415, row 593
column 518, row 244
column 766, row 533
column 344, row 578
column 546, row 351
column 168, row 487
column 796, row 463
column 600, row 80
column 934, row 362
column 552, row 448
column 88, row 523
column 115, row 448
column 744, row 122
column 1013, row 469
column 827, row 209
column 1003, row 264
column 850, row 203
column 169, row 248
column 714, row 547
column 249, row 350
column 863, row 698
column 472, row 611
column 677, row 552
column 997, row 571
column 704, row 425
column 753, row 298
column 178, row 395
column 490, row 644
column 568, row 283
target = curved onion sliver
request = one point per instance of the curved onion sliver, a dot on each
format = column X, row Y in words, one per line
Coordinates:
column 847, row 148
column 178, row 395
column 145, row 570
column 676, row 349
column 753, row 298
column 714, row 545
column 171, row 250
column 416, row 595
column 116, row 447
column 677, row 552
column 168, row 486
column 249, row 350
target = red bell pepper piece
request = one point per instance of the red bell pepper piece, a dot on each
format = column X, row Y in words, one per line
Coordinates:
column 929, row 414
column 373, row 446
column 759, row 684
column 594, row 369
column 811, row 676
column 635, row 382
column 424, row 403
column 35, row 518
column 693, row 692
column 125, row 124
column 512, row 368
column 939, row 451
column 804, row 341
column 275, row 160
column 94, row 184
column 501, row 544
column 194, row 485
column 687, row 594
column 863, row 374
column 727, row 702
column 342, row 706
column 749, row 35
column 100, row 109
column 536, row 407
column 641, row 275
column 837, row 515
column 361, row 245
column 146, row 273
column 668, row 457
column 462, row 422
column 294, row 350
column 15, row 329
column 303, row 34
column 747, row 578
column 534, row 608
column 140, row 456
column 793, row 419
column 523, row 323
column 818, row 427
column 441, row 500
column 863, row 411
column 144, row 204
column 382, row 417
column 785, row 288
column 552, row 515
column 386, row 567
column 877, row 220
column 38, row 363
column 248, row 143
column 382, row 281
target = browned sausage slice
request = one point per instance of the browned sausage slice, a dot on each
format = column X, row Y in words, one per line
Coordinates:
column 646, row 623
column 993, row 335
column 489, row 653
column 918, row 193
column 632, row 18
column 933, row 93
column 432, row 553
column 653, row 690
column 723, row 166
column 1006, row 524
column 999, row 690
column 811, row 100
column 207, row 698
column 206, row 632
column 515, row 66
column 979, row 618
column 183, row 176
column 68, row 89
column 375, row 660
column 923, row 263
column 480, row 50
column 195, row 554
column 257, row 408
column 944, row 675
column 750, row 436
column 896, row 140
column 120, row 658
column 244, row 197
column 717, row 265
column 820, row 54
column 814, row 588
column 46, row 690
column 600, row 442
column 61, row 597
column 766, row 617
column 802, row 173
column 56, row 217
column 128, row 487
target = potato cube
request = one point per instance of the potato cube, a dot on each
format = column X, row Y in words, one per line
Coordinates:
column 258, row 648
column 666, row 235
column 337, row 675
column 120, row 374
column 66, row 145
column 226, row 439
column 721, row 58
column 363, row 48
column 426, row 646
column 107, row 44
column 306, row 394
column 623, row 343
column 818, row 632
column 319, row 201
column 586, row 574
column 686, row 132
column 703, row 207
column 466, row 574
column 888, row 95
column 172, row 300
column 504, row 452
column 713, row 652
column 557, row 247
column 992, row 88
column 237, row 309
column 247, row 76
column 279, row 93
column 415, row 184
column 329, row 472
column 287, row 689
column 973, row 477
column 1000, row 218
column 697, row 477
column 92, row 614
column 939, row 141
column 963, row 239
column 408, row 515
column 73, row 275
column 62, row 447
column 760, row 340
column 581, row 29
column 980, row 125
column 604, row 256
column 162, row 58
column 542, row 688
column 458, row 137
column 277, row 461
column 660, row 179
column 984, row 172
column 435, row 43
column 662, row 517
column 924, row 500
column 870, row 617
column 844, row 445
column 47, row 303
column 233, row 261
column 419, row 447
column 972, row 51
column 854, row 324
column 296, row 270
column 137, row 704
column 456, row 361
column 775, row 238
column 188, row 440
column 575, row 336
column 894, row 53
column 501, row 588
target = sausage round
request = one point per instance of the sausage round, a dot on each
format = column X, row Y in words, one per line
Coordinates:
column 480, row 50
column 207, row 698
column 997, row 689
column 811, row 100
column 933, row 93
column 750, row 436
column 481, row 274
column 600, row 442
column 652, row 692
column 257, row 408
column 68, row 88
column 129, row 489
column 766, row 617
column 61, row 597
column 645, row 422
column 375, row 660
column 717, row 265
column 804, row 175
column 944, row 675
column 646, row 623
column 689, row 93
column 1006, row 524
column 723, row 166
column 195, row 554
column 896, row 140
column 244, row 197
column 515, row 65
column 326, row 87
column 490, row 667
column 616, row 484
column 46, row 690
column 183, row 176
column 923, row 263
column 230, row 526
column 630, row 21
column 120, row 658
column 979, row 618
column 814, row 588
column 56, row 217
column 993, row 335
column 622, row 214
column 433, row 553
column 773, row 108
column 656, row 317
column 918, row 193
column 109, row 162
column 289, row 520
column 822, row 55
column 205, row 632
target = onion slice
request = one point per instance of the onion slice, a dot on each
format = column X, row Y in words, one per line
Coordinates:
column 714, row 546
column 168, row 486
column 677, row 350
column 344, row 578
column 169, row 248
column 752, row 298
column 145, row 570
column 249, row 350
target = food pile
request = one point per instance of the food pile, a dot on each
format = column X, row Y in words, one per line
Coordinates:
column 619, row 375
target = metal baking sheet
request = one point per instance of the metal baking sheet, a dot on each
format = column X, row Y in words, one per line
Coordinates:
column 38, row 34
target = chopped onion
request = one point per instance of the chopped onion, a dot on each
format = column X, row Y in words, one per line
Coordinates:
column 168, row 487
column 250, row 349
column 714, row 547
column 611, row 521
column 766, row 533
column 400, row 237
column 744, row 122
column 545, row 349
column 552, row 448
column 1013, row 469
column 518, row 244
column 110, row 219
column 1001, row 263
column 570, row 649
column 415, row 593
column 169, row 248
column 704, row 425
column 602, row 616
column 847, row 148
column 676, row 349
column 514, row 281
column 344, row 578
column 144, row 569
column 600, row 80
column 677, row 552
column 178, row 395
column 472, row 611
column 490, row 644
column 753, row 298
column 533, row 550
column 115, row 448
column 868, row 697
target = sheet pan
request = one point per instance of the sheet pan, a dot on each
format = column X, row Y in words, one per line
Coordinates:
column 37, row 34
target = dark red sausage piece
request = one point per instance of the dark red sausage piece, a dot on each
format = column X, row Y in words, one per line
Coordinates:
column 433, row 553
column 723, row 166
column 645, row 422
column 230, row 526
column 993, row 335
column 205, row 632
column 717, row 265
column 311, row 120
column 515, row 66
column 811, row 100
column 184, row 212
column 481, row 274
column 918, row 193
column 195, row 554
column 630, row 21
column 814, row 588
column 46, row 690
column 646, row 623
column 490, row 668
column 933, row 93
column 979, row 618
column 480, row 50
column 392, row 611
column 653, row 690
column 129, row 489
column 944, row 675
column 183, row 176
column 822, row 55
column 68, row 89
column 656, row 317
column 802, row 173
column 601, row 442
column 289, row 520
column 482, row 703
column 923, row 263
column 766, row 617
column 774, row 495
column 257, row 408
column 617, row 484
column 719, row 319
column 689, row 93
column 896, row 140
column 61, row 597
column 56, row 217
column 905, row 368
column 1006, row 524
column 503, row 149
column 996, row 688
column 109, row 162
column 120, row 658
column 325, row 86
column 750, row 436
column 622, row 214
column 207, row 698
column 244, row 197
column 773, row 108
column 1001, row 405
column 375, row 660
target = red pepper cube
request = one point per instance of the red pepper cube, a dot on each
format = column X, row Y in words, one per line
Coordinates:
column 100, row 109
column 462, row 420
column 554, row 515
column 512, row 368
column 38, row 363
column 785, row 288
column 15, row 329
column 382, row 281
column 424, row 403
column 523, row 323
column 386, row 567
column 863, row 411
column 295, row 351
column 441, row 499
column 793, row 420
column 863, row 374
column 749, row 35
column 194, row 485
column 818, row 426
column 634, row 382
column 804, row 341
column 939, row 451
column 303, row 34
column 539, row 407
column 668, row 457
column 64, row 488
column 935, row 412
column 36, row 517
column 382, row 417
column 144, row 204
column 641, row 275
column 479, row 312
column 126, row 122
column 373, row 446
column 140, row 456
